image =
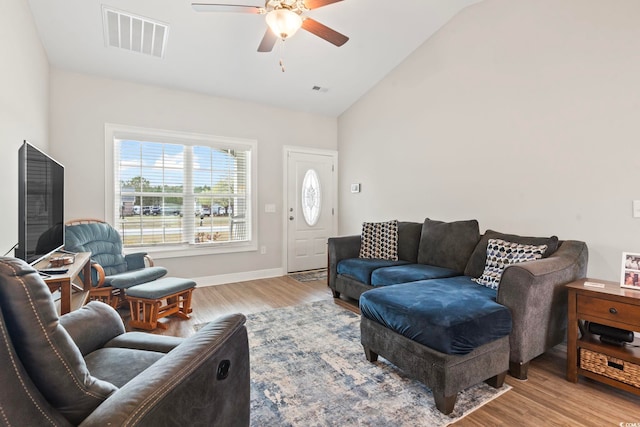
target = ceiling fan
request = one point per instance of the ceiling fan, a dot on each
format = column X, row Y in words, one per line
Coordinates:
column 284, row 18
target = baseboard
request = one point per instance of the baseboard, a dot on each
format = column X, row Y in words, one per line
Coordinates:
column 244, row 276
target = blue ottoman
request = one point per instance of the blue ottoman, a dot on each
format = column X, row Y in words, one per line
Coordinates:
column 448, row 333
column 157, row 299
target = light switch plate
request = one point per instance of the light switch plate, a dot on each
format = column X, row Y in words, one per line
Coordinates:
column 636, row 208
column 355, row 188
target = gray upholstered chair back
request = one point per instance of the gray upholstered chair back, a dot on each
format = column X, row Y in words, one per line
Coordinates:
column 22, row 403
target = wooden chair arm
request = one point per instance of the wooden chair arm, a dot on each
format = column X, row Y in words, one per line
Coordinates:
column 149, row 260
column 101, row 274
column 84, row 221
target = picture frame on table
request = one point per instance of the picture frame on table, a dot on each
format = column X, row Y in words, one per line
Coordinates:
column 630, row 277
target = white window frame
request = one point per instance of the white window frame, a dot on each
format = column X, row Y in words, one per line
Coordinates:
column 123, row 132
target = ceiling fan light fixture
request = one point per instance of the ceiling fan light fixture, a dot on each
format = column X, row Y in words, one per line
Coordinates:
column 283, row 22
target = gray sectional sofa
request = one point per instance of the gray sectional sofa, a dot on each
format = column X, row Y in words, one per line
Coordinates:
column 436, row 259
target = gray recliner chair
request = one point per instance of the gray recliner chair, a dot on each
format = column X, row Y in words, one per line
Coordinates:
column 83, row 369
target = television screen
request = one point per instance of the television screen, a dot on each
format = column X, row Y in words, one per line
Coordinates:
column 41, row 204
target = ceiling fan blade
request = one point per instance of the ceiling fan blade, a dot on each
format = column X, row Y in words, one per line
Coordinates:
column 211, row 7
column 324, row 32
column 268, row 41
column 314, row 4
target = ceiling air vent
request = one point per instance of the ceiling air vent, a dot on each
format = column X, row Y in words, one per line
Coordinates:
column 136, row 33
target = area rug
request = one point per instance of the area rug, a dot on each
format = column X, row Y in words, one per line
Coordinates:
column 308, row 369
column 309, row 276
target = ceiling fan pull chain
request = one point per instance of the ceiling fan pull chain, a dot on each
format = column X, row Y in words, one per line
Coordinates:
column 281, row 48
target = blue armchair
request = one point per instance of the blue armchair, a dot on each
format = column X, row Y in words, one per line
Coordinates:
column 111, row 271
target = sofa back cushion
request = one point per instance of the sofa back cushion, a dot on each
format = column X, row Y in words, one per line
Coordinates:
column 477, row 261
column 448, row 244
column 47, row 352
column 409, row 240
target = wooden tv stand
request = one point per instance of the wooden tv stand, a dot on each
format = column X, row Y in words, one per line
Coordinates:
column 64, row 282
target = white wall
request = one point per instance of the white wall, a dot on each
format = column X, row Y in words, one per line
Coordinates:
column 81, row 105
column 522, row 114
column 24, row 92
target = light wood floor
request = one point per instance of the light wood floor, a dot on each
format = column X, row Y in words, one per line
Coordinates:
column 545, row 399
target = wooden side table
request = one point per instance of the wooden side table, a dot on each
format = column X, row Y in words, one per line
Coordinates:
column 609, row 305
column 64, row 282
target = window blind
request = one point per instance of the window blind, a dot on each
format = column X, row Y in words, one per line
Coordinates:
column 171, row 194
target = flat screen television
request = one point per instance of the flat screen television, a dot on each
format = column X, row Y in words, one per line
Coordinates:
column 41, row 204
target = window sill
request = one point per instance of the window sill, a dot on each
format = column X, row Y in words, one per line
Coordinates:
column 192, row 250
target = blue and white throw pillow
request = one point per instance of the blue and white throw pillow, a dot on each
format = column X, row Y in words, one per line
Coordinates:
column 501, row 254
column 380, row 240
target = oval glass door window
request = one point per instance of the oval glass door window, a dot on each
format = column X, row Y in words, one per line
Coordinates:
column 311, row 199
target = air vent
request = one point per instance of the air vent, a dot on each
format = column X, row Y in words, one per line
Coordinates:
column 135, row 33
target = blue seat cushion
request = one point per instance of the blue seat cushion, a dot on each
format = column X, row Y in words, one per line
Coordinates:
column 361, row 268
column 161, row 288
column 453, row 315
column 134, row 277
column 409, row 273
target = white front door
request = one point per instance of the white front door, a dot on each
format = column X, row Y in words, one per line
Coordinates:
column 310, row 207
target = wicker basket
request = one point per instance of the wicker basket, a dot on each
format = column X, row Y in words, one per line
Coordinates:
column 617, row 369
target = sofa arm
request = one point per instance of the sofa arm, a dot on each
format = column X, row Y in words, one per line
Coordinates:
column 92, row 326
column 535, row 293
column 188, row 386
column 341, row 248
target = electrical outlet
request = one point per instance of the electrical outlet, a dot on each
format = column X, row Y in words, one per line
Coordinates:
column 263, row 250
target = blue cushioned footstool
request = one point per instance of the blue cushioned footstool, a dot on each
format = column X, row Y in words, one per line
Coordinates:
column 450, row 334
column 146, row 301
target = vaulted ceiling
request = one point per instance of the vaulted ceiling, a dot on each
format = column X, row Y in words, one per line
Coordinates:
column 216, row 53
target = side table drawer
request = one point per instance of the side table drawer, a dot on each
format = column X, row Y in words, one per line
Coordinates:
column 606, row 309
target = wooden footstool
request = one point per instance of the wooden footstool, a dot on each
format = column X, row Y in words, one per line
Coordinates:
column 146, row 301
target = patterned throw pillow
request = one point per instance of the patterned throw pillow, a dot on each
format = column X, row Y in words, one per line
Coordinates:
column 500, row 254
column 379, row 240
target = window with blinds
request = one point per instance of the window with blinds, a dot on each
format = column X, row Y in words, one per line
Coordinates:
column 177, row 194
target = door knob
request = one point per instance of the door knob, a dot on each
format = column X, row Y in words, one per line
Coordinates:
column 290, row 218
